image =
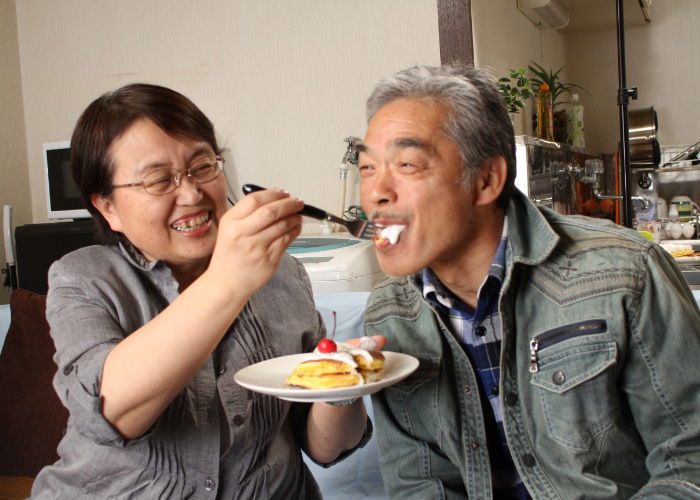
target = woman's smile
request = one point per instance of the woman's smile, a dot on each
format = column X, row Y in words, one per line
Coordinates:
column 190, row 224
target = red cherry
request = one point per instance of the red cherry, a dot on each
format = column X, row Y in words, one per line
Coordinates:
column 327, row 345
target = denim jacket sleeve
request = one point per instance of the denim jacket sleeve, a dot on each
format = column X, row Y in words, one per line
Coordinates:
column 662, row 382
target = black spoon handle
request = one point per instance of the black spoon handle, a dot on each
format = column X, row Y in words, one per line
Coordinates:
column 308, row 210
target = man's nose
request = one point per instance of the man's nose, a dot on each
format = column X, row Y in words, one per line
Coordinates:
column 382, row 189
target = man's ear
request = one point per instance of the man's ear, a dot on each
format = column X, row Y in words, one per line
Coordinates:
column 105, row 206
column 491, row 180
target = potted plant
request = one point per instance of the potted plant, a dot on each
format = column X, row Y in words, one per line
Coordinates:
column 515, row 89
column 558, row 89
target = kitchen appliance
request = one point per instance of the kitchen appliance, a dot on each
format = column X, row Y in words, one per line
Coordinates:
column 337, row 262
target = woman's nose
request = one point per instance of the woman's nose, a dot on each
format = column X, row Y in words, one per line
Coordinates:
column 188, row 191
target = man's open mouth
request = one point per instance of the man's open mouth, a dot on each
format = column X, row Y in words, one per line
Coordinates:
column 388, row 235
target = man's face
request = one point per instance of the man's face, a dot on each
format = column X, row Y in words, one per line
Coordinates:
column 410, row 174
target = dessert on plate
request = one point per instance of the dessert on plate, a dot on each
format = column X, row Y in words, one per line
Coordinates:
column 679, row 250
column 338, row 364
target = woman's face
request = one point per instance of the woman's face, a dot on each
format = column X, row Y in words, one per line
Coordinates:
column 180, row 227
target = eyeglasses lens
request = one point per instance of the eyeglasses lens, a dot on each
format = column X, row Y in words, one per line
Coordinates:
column 160, row 183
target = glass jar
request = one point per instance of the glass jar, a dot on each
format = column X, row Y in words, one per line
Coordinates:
column 545, row 114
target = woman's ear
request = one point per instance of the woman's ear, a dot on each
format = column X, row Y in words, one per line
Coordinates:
column 490, row 181
column 105, row 206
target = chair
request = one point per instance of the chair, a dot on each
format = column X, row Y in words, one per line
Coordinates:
column 32, row 418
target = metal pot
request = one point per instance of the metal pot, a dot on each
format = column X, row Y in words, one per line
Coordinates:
column 642, row 125
column 645, row 153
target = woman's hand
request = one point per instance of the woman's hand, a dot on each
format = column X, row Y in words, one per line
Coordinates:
column 373, row 343
column 252, row 236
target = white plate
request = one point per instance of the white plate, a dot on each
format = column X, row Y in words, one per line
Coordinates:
column 268, row 377
column 688, row 258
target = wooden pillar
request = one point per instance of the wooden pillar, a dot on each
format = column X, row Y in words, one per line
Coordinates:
column 455, row 29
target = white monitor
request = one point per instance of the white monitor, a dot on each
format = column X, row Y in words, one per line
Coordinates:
column 63, row 199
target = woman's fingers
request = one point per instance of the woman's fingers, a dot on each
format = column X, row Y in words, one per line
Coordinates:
column 253, row 235
column 373, row 343
column 264, row 204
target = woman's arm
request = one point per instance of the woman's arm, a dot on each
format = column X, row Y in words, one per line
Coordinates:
column 331, row 430
column 146, row 370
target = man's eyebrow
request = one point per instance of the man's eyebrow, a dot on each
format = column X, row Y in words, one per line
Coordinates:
column 400, row 143
column 410, row 142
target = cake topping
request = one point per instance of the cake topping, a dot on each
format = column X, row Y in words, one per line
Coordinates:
column 389, row 233
column 326, row 345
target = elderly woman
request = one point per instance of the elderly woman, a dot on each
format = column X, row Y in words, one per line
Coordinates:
column 151, row 326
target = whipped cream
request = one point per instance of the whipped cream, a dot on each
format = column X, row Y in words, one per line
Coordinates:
column 344, row 352
column 391, row 232
column 676, row 247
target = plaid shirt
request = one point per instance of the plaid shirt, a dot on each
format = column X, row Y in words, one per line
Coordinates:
column 479, row 332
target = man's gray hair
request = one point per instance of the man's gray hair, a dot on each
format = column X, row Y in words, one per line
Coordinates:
column 477, row 121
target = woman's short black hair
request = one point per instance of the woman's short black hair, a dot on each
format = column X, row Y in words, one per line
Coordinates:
column 108, row 117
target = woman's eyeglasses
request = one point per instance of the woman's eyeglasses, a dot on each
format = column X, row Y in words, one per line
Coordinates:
column 160, row 183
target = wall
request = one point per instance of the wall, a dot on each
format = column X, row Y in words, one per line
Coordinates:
column 14, row 180
column 504, row 38
column 661, row 61
column 284, row 82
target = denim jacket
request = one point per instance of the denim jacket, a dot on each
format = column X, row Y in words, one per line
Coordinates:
column 600, row 390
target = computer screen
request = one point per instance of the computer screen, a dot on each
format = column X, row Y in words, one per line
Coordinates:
column 63, row 199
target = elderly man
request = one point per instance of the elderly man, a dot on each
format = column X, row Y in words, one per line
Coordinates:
column 558, row 355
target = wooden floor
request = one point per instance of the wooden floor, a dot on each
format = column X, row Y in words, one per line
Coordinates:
column 15, row 487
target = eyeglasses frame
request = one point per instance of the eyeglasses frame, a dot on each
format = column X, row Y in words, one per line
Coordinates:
column 176, row 178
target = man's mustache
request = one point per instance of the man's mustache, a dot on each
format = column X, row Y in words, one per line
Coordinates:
column 402, row 215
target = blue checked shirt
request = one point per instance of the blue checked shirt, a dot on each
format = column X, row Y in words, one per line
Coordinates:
column 479, row 332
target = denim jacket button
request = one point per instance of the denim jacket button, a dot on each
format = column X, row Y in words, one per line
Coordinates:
column 528, row 460
column 467, row 389
column 511, row 399
column 558, row 378
column 475, row 445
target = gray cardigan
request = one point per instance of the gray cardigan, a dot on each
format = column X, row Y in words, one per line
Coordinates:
column 216, row 439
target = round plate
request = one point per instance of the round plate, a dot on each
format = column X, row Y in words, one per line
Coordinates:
column 268, row 377
column 688, row 258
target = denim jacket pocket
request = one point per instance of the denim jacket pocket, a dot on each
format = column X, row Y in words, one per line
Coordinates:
column 428, row 370
column 576, row 388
